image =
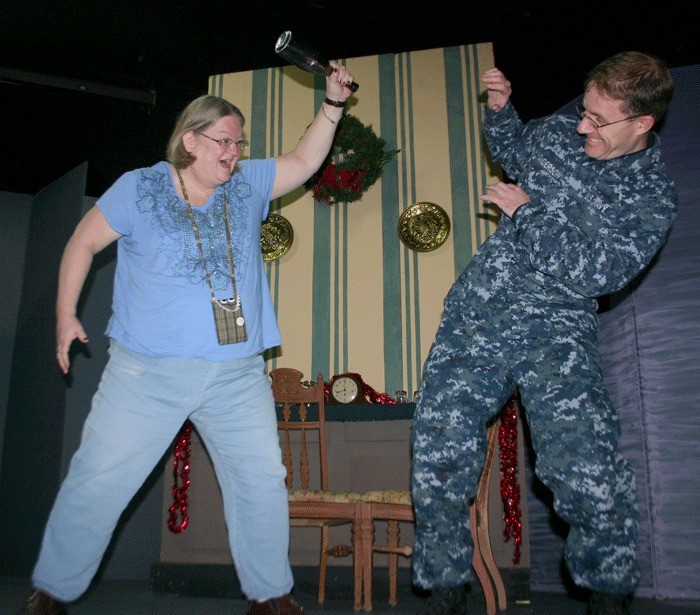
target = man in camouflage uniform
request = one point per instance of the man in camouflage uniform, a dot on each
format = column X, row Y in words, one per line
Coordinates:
column 591, row 206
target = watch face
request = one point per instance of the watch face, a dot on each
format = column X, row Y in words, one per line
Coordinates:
column 345, row 390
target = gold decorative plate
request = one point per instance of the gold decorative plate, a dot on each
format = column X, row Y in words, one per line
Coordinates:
column 423, row 227
column 276, row 237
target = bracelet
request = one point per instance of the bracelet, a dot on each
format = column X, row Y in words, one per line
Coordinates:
column 335, row 103
column 332, row 121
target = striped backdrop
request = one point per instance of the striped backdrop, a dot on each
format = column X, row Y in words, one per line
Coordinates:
column 350, row 297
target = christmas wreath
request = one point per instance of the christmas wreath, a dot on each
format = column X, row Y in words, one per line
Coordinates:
column 354, row 163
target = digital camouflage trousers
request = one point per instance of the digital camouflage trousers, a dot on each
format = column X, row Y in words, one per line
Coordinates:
column 471, row 371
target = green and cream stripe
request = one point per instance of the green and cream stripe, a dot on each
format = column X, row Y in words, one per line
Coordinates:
column 349, row 295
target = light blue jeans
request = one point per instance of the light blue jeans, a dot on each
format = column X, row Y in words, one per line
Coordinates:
column 137, row 411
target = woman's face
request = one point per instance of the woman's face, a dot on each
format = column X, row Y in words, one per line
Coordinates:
column 215, row 161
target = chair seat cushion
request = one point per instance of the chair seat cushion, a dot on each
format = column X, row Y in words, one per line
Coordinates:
column 308, row 495
column 388, row 496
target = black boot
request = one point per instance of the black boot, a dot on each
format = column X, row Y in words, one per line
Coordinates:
column 608, row 604
column 446, row 601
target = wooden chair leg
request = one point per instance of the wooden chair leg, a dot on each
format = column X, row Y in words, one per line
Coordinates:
column 483, row 561
column 323, row 563
column 482, row 517
column 367, row 534
column 480, row 568
column 358, row 557
column 482, row 530
column 392, row 536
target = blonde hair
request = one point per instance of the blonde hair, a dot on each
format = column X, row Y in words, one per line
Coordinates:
column 197, row 116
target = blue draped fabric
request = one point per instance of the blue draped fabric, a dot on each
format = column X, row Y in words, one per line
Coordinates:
column 650, row 346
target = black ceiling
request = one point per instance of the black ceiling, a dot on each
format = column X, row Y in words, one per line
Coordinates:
column 102, row 81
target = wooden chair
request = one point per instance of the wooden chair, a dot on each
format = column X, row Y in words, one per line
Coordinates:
column 397, row 506
column 483, row 561
column 394, row 507
column 311, row 502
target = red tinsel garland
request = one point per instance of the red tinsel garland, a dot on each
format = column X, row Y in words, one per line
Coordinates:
column 508, row 453
column 181, row 470
column 181, row 463
column 510, row 490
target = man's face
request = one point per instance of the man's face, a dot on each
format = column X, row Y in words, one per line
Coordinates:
column 609, row 131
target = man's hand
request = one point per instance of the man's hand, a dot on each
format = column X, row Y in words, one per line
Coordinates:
column 498, row 87
column 507, row 197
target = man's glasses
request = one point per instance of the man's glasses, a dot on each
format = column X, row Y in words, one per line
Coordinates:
column 227, row 143
column 584, row 116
